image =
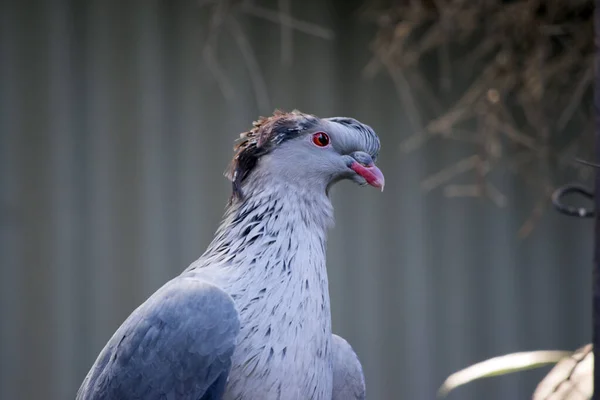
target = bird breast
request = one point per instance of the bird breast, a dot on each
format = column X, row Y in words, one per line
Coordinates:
column 284, row 346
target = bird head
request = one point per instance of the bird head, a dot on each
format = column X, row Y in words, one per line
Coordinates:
column 311, row 151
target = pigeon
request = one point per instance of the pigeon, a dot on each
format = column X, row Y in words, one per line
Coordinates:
column 250, row 318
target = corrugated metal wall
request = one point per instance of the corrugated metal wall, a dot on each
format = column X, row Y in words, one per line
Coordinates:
column 113, row 138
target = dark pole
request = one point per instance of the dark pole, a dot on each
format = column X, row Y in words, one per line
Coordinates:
column 596, row 271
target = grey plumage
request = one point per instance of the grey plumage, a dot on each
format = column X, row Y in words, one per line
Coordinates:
column 250, row 319
column 369, row 142
column 348, row 378
column 178, row 345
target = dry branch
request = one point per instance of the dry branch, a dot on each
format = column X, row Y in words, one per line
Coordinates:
column 225, row 16
column 514, row 78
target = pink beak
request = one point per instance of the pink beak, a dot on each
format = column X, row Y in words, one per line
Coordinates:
column 371, row 173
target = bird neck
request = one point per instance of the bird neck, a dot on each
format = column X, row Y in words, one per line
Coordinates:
column 272, row 228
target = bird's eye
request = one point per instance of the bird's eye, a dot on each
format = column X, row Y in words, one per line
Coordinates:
column 321, row 139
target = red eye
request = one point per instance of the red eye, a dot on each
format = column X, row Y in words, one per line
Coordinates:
column 321, row 139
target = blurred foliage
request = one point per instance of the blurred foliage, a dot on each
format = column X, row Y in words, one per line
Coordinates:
column 502, row 365
column 570, row 379
column 511, row 79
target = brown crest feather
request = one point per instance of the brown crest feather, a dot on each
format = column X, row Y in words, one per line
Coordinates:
column 266, row 134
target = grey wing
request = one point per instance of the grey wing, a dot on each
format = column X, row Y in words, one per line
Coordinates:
column 348, row 377
column 176, row 345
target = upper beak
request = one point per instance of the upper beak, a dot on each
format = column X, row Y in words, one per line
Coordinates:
column 364, row 166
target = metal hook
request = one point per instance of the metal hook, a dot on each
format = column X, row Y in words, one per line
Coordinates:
column 570, row 210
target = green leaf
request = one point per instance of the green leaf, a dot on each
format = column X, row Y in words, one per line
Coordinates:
column 502, row 365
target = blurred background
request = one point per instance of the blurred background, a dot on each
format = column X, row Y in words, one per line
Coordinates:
column 117, row 120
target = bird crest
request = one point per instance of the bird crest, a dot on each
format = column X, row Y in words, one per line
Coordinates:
column 266, row 134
